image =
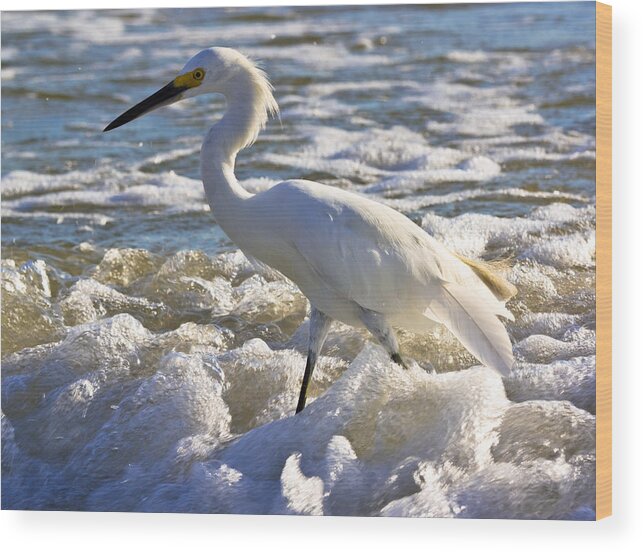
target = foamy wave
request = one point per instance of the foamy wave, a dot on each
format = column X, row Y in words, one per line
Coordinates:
column 346, row 465
column 386, row 441
column 417, row 202
column 490, row 121
column 398, row 156
column 496, row 61
column 476, row 234
column 27, row 192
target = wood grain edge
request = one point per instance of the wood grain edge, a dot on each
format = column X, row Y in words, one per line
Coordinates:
column 603, row 260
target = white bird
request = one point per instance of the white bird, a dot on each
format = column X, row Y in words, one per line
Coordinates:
column 356, row 260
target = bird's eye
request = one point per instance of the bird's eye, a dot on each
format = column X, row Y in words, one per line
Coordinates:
column 198, row 74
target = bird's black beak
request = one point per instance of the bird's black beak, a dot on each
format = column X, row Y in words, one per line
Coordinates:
column 167, row 95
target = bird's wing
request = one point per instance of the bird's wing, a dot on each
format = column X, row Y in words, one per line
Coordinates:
column 382, row 261
column 344, row 239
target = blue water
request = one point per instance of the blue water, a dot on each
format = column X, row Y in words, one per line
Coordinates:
column 67, row 74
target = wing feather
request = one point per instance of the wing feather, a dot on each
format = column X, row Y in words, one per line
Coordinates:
column 477, row 327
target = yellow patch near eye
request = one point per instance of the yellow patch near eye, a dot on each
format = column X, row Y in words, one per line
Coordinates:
column 190, row 80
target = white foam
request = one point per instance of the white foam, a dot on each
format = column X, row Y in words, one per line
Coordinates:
column 497, row 62
column 303, row 495
column 475, row 169
column 323, row 56
column 416, row 201
column 488, row 121
column 558, row 139
column 171, row 155
column 541, row 154
column 467, row 56
column 375, row 439
column 337, row 87
column 538, row 489
column 77, row 24
column 544, row 349
column 572, row 380
column 399, row 157
column 104, row 188
column 475, row 234
column 28, row 316
column 578, row 249
column 18, row 183
column 89, row 300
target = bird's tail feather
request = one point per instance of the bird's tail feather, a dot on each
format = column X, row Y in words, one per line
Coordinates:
column 475, row 323
column 489, row 273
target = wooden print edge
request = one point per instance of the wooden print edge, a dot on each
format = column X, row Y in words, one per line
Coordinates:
column 603, row 260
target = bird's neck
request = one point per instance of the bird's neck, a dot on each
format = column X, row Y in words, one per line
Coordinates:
column 249, row 100
column 222, row 189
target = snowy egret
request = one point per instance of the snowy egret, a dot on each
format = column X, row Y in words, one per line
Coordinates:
column 356, row 260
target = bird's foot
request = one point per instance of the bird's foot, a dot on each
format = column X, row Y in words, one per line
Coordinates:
column 395, row 357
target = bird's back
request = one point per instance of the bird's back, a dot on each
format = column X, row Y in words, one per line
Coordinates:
column 365, row 250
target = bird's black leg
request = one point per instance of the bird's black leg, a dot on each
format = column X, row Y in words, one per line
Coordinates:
column 383, row 332
column 395, row 357
column 318, row 330
column 311, row 360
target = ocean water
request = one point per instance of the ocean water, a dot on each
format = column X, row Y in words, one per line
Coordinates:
column 148, row 366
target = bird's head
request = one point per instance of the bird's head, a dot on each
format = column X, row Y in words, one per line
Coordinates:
column 213, row 70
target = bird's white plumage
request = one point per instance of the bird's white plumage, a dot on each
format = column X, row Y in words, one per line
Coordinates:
column 344, row 250
column 347, row 253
